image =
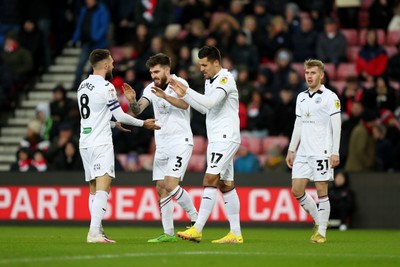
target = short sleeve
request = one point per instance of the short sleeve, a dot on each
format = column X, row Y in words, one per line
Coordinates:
column 226, row 83
column 148, row 94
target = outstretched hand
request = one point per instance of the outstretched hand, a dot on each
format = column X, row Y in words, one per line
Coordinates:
column 158, row 92
column 178, row 87
column 129, row 93
column 150, row 124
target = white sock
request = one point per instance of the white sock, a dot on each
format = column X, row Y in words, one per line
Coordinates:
column 206, row 206
column 183, row 199
column 309, row 205
column 167, row 211
column 232, row 206
column 91, row 198
column 99, row 206
column 324, row 209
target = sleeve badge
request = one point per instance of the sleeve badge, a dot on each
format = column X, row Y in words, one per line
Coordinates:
column 223, row 80
column 337, row 104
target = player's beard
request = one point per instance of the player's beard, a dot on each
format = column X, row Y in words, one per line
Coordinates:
column 161, row 82
column 109, row 75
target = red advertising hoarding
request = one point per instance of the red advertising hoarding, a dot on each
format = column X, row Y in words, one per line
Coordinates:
column 258, row 204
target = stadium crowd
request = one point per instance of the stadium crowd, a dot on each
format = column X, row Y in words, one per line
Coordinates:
column 263, row 43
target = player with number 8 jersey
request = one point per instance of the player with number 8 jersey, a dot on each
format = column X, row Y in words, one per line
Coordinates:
column 97, row 100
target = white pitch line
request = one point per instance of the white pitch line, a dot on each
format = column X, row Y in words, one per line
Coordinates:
column 161, row 254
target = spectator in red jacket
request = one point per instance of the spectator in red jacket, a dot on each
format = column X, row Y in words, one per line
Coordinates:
column 372, row 58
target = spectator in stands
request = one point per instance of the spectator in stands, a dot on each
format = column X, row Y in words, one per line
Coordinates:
column 355, row 112
column 10, row 18
column 304, row 41
column 253, row 34
column 23, row 163
column 236, row 10
column 193, row 9
column 32, row 139
column 351, row 93
column 196, row 35
column 184, row 60
column 263, row 83
column 225, row 28
column 245, row 54
column 342, row 199
column 68, row 159
column 243, row 118
column 394, row 24
column 285, row 114
column 380, row 14
column 297, row 84
column 17, row 59
column 66, row 134
column 361, row 154
column 392, row 125
column 60, row 108
column 263, row 17
column 385, row 95
column 260, row 116
column 39, row 162
column 347, row 11
column 43, row 116
column 125, row 61
column 131, row 79
column 292, row 18
column 281, row 76
column 372, row 58
column 123, row 16
column 156, row 46
column 141, row 39
column 384, row 148
column 275, row 161
column 244, row 84
column 393, row 66
column 246, row 162
column 331, row 44
column 91, row 31
column 277, row 38
column 156, row 14
column 39, row 13
column 32, row 39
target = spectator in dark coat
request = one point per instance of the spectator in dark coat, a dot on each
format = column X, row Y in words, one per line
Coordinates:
column 245, row 54
column 393, row 66
column 68, row 159
column 380, row 14
column 304, row 41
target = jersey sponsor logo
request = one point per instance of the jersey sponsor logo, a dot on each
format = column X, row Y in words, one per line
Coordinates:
column 223, row 80
column 337, row 104
column 87, row 130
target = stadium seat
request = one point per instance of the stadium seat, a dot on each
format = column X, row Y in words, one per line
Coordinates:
column 146, row 161
column 363, row 18
column 197, row 163
column 390, row 50
column 339, row 85
column 392, row 38
column 270, row 141
column 330, row 69
column 199, row 144
column 299, row 67
column 117, row 52
column 351, row 36
column 381, row 36
column 352, row 53
column 253, row 144
column 345, row 70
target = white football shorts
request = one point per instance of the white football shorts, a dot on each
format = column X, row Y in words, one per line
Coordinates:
column 220, row 159
column 171, row 161
column 315, row 168
column 98, row 161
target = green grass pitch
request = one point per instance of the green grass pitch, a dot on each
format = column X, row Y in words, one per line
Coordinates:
column 58, row 246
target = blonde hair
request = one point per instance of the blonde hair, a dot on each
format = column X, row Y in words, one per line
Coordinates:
column 314, row 63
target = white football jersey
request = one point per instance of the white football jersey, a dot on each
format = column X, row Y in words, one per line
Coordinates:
column 174, row 122
column 96, row 98
column 315, row 111
column 222, row 121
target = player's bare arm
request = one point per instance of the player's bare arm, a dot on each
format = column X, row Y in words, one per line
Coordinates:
column 290, row 159
column 179, row 103
column 150, row 124
column 178, row 87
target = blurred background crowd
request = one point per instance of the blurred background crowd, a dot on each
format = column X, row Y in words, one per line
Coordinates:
column 263, row 43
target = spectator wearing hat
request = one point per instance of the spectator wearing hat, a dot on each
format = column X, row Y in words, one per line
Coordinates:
column 331, row 44
column 361, row 154
column 281, row 76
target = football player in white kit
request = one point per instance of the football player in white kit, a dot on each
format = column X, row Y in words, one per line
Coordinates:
column 221, row 105
column 174, row 142
column 314, row 147
column 98, row 102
